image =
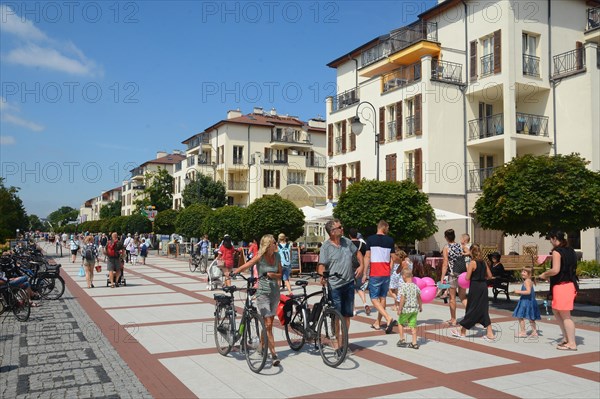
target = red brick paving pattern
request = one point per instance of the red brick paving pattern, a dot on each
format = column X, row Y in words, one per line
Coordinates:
column 160, row 382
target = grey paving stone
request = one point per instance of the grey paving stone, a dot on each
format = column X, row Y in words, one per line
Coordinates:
column 61, row 353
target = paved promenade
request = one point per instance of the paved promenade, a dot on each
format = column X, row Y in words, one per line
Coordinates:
column 154, row 337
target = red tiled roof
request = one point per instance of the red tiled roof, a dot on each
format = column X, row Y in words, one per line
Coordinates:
column 169, row 159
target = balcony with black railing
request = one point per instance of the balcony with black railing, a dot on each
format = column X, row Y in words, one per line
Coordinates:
column 338, row 145
column 292, row 136
column 569, row 63
column 489, row 126
column 316, row 162
column 137, row 172
column 399, row 40
column 204, row 160
column 346, row 99
column 401, row 77
column 237, row 185
column 533, row 125
column 487, row 64
column 478, row 176
column 410, row 126
column 238, row 160
column 390, row 133
column 531, row 65
column 593, row 19
column 444, row 71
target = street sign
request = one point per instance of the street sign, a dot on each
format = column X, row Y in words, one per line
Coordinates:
column 152, row 215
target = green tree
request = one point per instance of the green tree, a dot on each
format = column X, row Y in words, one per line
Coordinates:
column 118, row 224
column 138, row 224
column 164, row 223
column 225, row 220
column 190, row 220
column 400, row 203
column 205, row 191
column 158, row 191
column 534, row 194
column 62, row 216
column 272, row 214
column 35, row 223
column 12, row 212
column 110, row 210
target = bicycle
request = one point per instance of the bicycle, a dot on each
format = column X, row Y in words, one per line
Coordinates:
column 251, row 329
column 323, row 324
column 196, row 262
column 16, row 299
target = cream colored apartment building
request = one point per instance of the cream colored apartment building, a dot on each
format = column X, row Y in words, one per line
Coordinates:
column 256, row 154
column 463, row 90
column 90, row 210
column 134, row 187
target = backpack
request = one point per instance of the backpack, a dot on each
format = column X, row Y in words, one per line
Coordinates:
column 355, row 262
column 144, row 250
column 284, row 253
column 88, row 253
column 111, row 249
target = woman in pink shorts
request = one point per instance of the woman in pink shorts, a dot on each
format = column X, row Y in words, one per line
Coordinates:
column 563, row 286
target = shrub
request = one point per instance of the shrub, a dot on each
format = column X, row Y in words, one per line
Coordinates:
column 588, row 268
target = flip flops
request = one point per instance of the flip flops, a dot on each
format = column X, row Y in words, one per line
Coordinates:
column 488, row 339
column 375, row 328
column 565, row 348
column 390, row 326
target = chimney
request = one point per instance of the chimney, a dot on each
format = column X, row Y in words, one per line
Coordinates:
column 258, row 110
column 160, row 154
column 234, row 113
column 177, row 152
column 273, row 112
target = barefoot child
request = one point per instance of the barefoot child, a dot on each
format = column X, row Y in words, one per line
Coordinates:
column 527, row 307
column 408, row 305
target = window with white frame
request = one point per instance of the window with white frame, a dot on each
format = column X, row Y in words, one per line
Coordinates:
column 531, row 62
column 238, row 154
column 487, row 60
column 391, row 123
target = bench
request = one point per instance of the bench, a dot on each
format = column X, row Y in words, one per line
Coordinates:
column 512, row 263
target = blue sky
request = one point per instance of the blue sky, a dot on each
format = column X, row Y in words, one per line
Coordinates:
column 90, row 90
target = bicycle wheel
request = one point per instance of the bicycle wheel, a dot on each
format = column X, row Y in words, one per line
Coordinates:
column 332, row 337
column 255, row 342
column 21, row 305
column 52, row 287
column 192, row 265
column 223, row 330
column 294, row 331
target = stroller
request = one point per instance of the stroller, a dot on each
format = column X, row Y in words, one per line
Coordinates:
column 215, row 274
column 121, row 281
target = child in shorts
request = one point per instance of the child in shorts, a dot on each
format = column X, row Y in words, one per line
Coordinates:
column 408, row 304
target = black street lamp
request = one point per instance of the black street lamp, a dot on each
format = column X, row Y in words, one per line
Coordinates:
column 357, row 127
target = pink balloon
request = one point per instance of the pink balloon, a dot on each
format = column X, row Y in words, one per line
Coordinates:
column 428, row 294
column 463, row 282
column 421, row 283
column 428, row 281
column 417, row 281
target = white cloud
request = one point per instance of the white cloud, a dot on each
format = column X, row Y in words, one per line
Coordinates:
column 7, row 140
column 10, row 22
column 7, row 114
column 15, row 120
column 62, row 56
column 32, row 55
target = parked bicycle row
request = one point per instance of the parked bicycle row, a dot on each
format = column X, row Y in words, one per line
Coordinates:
column 26, row 278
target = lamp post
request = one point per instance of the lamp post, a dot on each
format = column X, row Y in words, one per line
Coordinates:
column 357, row 127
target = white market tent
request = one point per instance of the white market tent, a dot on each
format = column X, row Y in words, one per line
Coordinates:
column 442, row 215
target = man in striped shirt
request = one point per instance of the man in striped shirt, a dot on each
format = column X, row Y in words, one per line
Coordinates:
column 377, row 262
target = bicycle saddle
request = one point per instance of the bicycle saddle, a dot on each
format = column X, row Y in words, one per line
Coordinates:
column 302, row 283
column 230, row 289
